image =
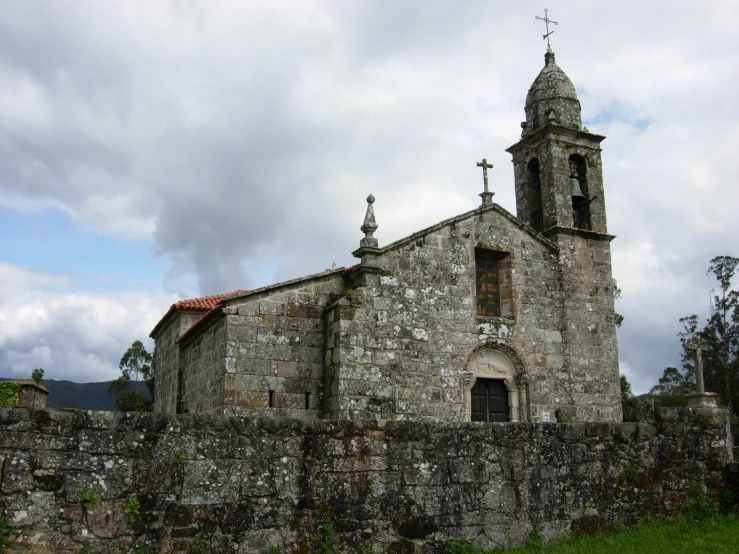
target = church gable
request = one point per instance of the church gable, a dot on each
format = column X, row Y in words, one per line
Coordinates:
column 398, row 345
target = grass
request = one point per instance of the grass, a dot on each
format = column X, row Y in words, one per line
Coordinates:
column 680, row 535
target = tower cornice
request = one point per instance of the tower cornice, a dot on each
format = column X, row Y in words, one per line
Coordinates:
column 548, row 131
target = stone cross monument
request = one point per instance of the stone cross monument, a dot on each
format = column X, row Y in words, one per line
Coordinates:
column 700, row 398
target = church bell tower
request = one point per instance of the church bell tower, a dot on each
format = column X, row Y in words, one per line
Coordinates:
column 559, row 193
column 557, row 162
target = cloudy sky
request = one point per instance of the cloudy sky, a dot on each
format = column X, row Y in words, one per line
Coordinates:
column 152, row 151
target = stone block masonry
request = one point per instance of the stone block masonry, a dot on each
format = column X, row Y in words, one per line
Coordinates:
column 242, row 484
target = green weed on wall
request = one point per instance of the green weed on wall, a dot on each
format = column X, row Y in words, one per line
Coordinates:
column 9, row 393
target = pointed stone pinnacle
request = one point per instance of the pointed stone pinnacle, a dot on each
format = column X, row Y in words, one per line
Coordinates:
column 369, row 226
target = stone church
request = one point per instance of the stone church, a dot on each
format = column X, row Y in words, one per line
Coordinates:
column 487, row 316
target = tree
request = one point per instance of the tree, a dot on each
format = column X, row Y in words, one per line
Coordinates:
column 618, row 319
column 137, row 363
column 721, row 334
column 37, row 374
column 720, row 340
column 626, row 393
column 673, row 383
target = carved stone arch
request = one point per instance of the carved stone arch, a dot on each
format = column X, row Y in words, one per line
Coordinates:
column 495, row 359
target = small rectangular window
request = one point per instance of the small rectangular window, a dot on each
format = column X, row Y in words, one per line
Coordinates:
column 307, row 401
column 488, row 283
column 271, row 399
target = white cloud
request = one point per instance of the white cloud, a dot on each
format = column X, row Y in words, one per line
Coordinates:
column 243, row 137
column 72, row 335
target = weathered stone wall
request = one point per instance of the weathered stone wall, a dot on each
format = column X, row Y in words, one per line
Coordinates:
column 398, row 347
column 273, row 341
column 32, row 396
column 203, row 363
column 236, row 484
column 166, row 393
column 590, row 376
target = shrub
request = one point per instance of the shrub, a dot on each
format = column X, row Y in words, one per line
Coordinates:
column 180, row 458
column 536, row 541
column 89, row 497
column 132, row 510
column 631, row 473
column 701, row 507
column 37, row 374
column 9, row 393
column 325, row 539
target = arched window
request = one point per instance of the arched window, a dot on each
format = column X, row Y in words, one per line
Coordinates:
column 533, row 196
column 579, row 191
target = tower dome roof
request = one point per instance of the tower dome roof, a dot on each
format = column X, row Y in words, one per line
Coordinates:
column 552, row 98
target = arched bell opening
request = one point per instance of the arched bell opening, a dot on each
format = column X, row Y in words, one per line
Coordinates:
column 533, row 195
column 579, row 191
column 495, row 385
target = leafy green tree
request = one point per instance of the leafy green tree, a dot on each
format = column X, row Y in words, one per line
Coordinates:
column 626, row 393
column 37, row 374
column 720, row 343
column 135, row 364
column 721, row 334
column 673, row 383
column 618, row 319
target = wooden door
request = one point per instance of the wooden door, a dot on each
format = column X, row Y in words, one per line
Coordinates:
column 489, row 400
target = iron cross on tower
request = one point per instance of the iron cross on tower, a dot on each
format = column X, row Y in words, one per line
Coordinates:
column 547, row 21
column 487, row 196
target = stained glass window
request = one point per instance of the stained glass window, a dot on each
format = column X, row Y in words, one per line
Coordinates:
column 488, row 285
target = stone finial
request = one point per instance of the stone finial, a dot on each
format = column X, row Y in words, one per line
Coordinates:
column 369, row 226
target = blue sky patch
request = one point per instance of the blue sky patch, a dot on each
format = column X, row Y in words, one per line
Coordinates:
column 49, row 242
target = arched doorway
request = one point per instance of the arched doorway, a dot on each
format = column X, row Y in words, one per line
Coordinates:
column 495, row 389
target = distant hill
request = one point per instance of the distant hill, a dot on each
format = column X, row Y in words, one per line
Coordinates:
column 84, row 396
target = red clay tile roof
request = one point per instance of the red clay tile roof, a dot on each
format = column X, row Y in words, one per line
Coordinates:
column 202, row 304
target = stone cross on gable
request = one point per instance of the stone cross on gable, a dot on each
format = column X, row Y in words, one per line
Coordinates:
column 698, row 347
column 487, row 196
column 547, row 21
